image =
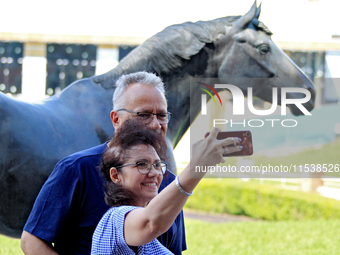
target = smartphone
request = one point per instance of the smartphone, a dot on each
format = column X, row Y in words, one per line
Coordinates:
column 246, row 142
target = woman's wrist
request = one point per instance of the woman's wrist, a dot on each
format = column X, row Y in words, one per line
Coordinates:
column 181, row 189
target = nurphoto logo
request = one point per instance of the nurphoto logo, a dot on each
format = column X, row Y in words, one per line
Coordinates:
column 239, row 102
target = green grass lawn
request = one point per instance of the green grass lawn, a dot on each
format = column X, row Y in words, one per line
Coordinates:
column 257, row 238
column 9, row 246
column 254, row 238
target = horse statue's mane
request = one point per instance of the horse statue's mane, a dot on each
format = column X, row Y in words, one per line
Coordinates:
column 167, row 56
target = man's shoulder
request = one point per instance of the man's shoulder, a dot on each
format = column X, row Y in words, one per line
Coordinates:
column 91, row 154
column 80, row 166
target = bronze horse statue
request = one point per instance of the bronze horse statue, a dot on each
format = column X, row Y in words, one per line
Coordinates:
column 34, row 136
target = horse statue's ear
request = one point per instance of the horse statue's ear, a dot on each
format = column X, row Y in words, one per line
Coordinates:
column 258, row 12
column 243, row 22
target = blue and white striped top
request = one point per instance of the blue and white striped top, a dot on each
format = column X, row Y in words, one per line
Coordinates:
column 108, row 237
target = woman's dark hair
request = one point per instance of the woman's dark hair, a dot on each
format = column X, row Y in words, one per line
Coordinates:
column 130, row 134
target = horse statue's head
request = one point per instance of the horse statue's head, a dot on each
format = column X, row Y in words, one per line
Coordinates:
column 231, row 49
column 250, row 53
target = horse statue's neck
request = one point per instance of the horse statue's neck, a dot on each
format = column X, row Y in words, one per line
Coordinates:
column 176, row 60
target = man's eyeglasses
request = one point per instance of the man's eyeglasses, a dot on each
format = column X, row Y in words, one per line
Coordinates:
column 144, row 167
column 146, row 117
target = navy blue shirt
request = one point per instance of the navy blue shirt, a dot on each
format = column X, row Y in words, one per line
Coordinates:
column 71, row 203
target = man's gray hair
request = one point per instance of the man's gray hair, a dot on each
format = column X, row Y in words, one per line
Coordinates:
column 139, row 77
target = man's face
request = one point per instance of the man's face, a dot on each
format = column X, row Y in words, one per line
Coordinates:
column 142, row 98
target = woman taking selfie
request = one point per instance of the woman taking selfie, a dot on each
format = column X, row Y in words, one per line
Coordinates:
column 133, row 166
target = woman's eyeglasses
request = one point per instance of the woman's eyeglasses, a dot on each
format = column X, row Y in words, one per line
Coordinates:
column 144, row 167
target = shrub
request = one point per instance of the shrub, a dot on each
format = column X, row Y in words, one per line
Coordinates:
column 266, row 202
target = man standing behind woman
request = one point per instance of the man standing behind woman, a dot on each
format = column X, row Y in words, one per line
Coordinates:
column 71, row 202
column 134, row 165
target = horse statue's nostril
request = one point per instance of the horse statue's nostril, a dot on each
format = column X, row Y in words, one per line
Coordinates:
column 272, row 75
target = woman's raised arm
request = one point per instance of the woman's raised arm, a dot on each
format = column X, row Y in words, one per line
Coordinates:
column 143, row 225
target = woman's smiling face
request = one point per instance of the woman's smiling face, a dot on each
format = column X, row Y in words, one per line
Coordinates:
column 144, row 186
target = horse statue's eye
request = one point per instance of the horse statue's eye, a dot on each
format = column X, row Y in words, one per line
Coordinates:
column 263, row 49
